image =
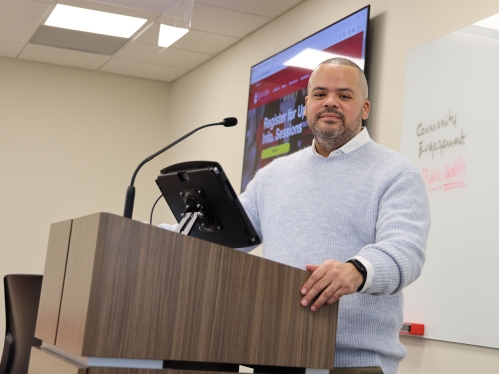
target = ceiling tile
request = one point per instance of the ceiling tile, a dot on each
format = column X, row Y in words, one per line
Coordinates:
column 194, row 41
column 142, row 70
column 25, row 11
column 9, row 48
column 16, row 31
column 61, row 56
column 174, row 58
column 205, row 42
column 265, row 8
column 224, row 21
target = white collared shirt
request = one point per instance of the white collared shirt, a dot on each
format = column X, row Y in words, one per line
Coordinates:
column 356, row 142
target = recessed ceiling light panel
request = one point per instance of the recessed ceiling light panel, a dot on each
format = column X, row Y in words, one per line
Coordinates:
column 87, row 20
column 169, row 35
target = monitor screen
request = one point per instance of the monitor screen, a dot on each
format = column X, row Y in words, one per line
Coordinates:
column 276, row 125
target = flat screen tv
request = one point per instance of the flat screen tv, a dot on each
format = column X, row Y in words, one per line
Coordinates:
column 276, row 125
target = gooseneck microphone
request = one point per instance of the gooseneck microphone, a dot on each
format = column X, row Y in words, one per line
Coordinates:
column 130, row 192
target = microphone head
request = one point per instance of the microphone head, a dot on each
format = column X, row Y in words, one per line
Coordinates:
column 229, row 122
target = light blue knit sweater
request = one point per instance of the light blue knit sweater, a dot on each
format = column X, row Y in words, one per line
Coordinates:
column 370, row 202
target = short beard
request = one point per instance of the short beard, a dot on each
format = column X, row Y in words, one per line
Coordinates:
column 330, row 140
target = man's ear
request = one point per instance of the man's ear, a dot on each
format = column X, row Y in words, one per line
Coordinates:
column 365, row 109
column 305, row 109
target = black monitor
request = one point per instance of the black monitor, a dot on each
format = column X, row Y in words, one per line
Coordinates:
column 205, row 204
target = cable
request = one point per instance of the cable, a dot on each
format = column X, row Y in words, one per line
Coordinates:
column 152, row 210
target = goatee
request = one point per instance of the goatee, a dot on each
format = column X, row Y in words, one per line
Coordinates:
column 330, row 138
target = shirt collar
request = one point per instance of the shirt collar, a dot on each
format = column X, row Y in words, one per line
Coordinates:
column 356, row 142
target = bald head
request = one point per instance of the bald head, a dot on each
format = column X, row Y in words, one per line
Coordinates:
column 340, row 61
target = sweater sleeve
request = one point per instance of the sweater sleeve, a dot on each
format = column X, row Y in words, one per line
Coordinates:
column 249, row 202
column 402, row 226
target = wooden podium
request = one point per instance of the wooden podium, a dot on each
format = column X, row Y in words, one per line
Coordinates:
column 123, row 297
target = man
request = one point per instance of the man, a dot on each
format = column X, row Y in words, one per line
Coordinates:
column 350, row 211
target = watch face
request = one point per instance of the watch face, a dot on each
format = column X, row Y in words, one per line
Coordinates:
column 362, row 270
column 360, row 267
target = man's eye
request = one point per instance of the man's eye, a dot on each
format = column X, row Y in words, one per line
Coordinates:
column 319, row 94
column 345, row 97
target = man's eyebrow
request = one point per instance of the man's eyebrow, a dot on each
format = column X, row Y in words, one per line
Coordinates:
column 342, row 89
column 319, row 88
column 346, row 89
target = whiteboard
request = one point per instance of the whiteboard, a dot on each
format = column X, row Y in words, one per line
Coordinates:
column 450, row 131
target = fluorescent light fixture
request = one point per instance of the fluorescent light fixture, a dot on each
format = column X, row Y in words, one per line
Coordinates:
column 80, row 19
column 309, row 59
column 489, row 23
column 169, row 35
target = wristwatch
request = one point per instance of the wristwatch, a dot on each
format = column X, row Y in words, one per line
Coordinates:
column 362, row 270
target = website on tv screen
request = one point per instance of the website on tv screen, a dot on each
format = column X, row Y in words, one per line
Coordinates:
column 276, row 125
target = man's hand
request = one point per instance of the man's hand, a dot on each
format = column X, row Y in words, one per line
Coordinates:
column 332, row 280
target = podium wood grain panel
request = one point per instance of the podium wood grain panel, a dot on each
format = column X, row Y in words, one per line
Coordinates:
column 43, row 362
column 53, row 281
column 83, row 262
column 137, row 291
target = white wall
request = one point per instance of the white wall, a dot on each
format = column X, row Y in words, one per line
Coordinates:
column 70, row 139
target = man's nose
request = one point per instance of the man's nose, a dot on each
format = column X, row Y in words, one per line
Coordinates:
column 330, row 101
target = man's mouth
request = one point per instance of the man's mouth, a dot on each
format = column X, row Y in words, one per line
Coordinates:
column 330, row 116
